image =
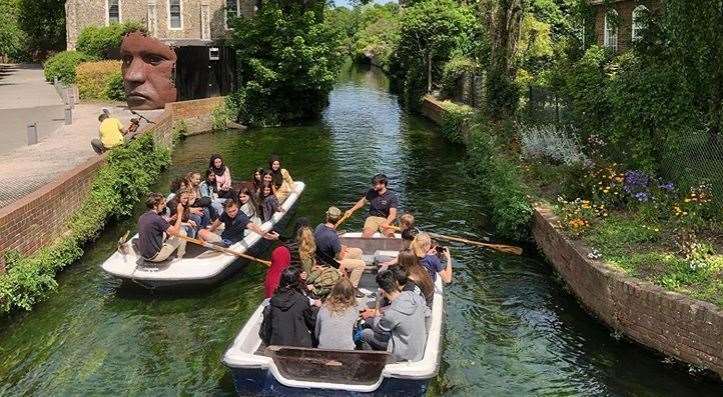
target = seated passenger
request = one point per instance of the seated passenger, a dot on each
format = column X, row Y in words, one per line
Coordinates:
column 417, row 276
column 235, row 223
column 249, row 206
column 330, row 252
column 280, row 260
column 337, row 317
column 289, row 316
column 200, row 209
column 207, row 188
column 382, row 207
column 401, row 329
column 269, row 204
column 190, row 221
column 223, row 177
column 408, row 232
column 319, row 279
column 429, row 257
column 157, row 239
column 281, row 178
column 257, row 178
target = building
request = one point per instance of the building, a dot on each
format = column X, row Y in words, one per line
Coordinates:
column 618, row 23
column 195, row 29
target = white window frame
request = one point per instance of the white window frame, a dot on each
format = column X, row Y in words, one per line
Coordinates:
column 225, row 13
column 107, row 12
column 168, row 14
column 637, row 26
column 607, row 36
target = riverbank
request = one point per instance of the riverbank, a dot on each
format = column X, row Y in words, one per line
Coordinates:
column 46, row 230
column 633, row 309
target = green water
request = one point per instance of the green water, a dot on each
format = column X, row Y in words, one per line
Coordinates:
column 511, row 329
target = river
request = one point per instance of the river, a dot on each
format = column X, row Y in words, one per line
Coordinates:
column 511, row 327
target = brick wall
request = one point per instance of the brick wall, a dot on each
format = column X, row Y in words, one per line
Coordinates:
column 34, row 221
column 624, row 9
column 686, row 329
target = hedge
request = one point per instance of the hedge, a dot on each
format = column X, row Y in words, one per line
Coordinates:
column 128, row 175
column 99, row 80
column 455, row 121
column 102, row 41
column 62, row 65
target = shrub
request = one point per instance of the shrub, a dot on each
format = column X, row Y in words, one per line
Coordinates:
column 550, row 143
column 94, row 79
column 62, row 65
column 456, row 68
column 129, row 173
column 114, row 87
column 102, row 41
column 455, row 121
column 500, row 183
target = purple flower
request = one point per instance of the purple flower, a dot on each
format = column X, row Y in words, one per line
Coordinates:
column 642, row 196
column 667, row 186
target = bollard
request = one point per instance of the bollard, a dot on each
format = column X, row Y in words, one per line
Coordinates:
column 71, row 96
column 32, row 133
column 68, row 115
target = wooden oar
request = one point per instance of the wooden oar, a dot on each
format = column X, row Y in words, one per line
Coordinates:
column 344, row 218
column 508, row 249
column 223, row 249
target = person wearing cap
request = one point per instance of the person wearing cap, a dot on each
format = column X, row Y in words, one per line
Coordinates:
column 330, row 251
column 111, row 133
column 383, row 206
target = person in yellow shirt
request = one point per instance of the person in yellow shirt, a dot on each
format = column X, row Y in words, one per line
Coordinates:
column 111, row 134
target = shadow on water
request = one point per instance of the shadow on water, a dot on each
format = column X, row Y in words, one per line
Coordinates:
column 511, row 329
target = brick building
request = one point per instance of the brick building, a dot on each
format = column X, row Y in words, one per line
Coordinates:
column 172, row 21
column 618, row 23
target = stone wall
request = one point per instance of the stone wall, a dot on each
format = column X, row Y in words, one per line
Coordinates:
column 36, row 220
column 677, row 326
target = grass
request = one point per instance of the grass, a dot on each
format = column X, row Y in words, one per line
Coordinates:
column 646, row 251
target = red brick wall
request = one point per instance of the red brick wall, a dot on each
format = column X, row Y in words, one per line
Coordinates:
column 625, row 14
column 677, row 326
column 34, row 221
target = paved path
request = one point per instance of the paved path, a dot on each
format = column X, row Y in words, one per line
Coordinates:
column 25, row 97
column 28, row 168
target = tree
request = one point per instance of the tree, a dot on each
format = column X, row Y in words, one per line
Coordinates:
column 11, row 37
column 288, row 61
column 43, row 22
column 430, row 31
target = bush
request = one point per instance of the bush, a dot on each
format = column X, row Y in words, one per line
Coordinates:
column 94, row 79
column 500, row 183
column 130, row 171
column 455, row 121
column 550, row 143
column 114, row 87
column 103, row 41
column 62, row 65
column 456, row 68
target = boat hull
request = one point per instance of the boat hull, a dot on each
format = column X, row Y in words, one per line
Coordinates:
column 260, row 382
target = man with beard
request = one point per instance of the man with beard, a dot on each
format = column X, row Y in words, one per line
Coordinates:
column 147, row 69
column 382, row 207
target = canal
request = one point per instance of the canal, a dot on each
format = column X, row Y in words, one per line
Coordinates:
column 511, row 328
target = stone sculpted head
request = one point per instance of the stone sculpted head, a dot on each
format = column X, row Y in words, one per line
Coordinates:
column 148, row 71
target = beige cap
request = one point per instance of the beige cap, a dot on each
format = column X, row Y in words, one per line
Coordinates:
column 333, row 213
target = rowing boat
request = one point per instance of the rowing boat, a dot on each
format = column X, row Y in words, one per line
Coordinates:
column 284, row 370
column 199, row 266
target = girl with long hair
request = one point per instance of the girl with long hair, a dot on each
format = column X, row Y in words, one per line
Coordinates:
column 416, row 274
column 281, row 178
column 223, row 176
column 337, row 317
column 269, row 204
column 248, row 205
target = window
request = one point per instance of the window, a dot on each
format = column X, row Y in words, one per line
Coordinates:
column 639, row 14
column 113, row 11
column 611, row 30
column 174, row 14
column 232, row 11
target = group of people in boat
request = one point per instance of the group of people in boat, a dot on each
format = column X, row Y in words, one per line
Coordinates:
column 200, row 203
column 312, row 285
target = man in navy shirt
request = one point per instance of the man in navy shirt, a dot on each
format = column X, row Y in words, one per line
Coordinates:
column 157, row 239
column 330, row 252
column 383, row 206
column 235, row 224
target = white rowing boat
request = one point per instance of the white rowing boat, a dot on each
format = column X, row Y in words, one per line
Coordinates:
column 282, row 370
column 199, row 266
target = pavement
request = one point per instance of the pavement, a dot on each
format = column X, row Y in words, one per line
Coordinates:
column 25, row 97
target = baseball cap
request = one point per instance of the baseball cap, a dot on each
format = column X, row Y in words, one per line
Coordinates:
column 333, row 213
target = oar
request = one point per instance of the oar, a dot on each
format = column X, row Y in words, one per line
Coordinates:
column 223, row 249
column 508, row 249
column 344, row 218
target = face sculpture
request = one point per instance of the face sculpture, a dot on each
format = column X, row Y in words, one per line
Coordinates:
column 148, row 67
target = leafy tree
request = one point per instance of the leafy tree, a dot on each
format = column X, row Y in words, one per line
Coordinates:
column 43, row 22
column 288, row 61
column 11, row 37
column 430, row 31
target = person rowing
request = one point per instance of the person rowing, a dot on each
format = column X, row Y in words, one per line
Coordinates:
column 383, row 206
column 235, row 223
